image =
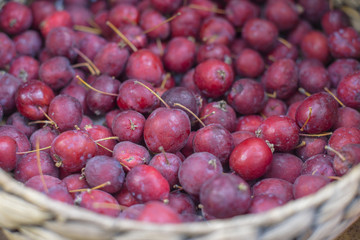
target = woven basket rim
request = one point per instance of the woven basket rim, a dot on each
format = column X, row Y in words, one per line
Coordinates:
column 64, row 211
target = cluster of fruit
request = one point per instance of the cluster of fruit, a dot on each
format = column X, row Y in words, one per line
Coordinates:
column 210, row 109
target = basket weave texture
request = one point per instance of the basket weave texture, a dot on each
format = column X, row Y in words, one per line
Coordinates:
column 351, row 8
column 27, row 214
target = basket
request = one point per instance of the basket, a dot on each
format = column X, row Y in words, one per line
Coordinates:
column 28, row 214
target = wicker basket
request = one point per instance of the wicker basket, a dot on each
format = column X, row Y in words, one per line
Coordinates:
column 351, row 8
column 28, row 214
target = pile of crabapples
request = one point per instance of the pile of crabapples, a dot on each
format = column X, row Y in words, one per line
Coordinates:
column 174, row 111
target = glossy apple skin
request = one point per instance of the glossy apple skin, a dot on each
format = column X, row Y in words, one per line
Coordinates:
column 251, row 158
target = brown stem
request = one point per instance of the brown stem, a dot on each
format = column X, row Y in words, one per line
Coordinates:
column 214, row 10
column 40, row 121
column 89, row 189
column 302, row 144
column 107, row 138
column 207, row 115
column 315, row 135
column 94, row 89
column 335, row 97
column 166, row 78
column 303, row 91
column 166, row 105
column 124, row 166
column 88, row 60
column 263, row 115
column 87, row 29
column 37, row 147
column 204, row 117
column 92, row 23
column 336, row 152
column 334, row 178
column 109, row 205
column 48, row 118
column 159, row 45
column 162, row 23
column 100, row 145
column 188, row 110
column 271, row 58
column 307, row 120
column 36, row 150
column 87, row 65
column 122, row 36
column 161, row 148
column 285, row 42
column 102, row 185
column 271, row 95
column 178, row 187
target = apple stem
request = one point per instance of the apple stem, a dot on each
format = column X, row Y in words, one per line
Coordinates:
column 271, row 58
column 204, row 117
column 107, row 138
column 40, row 121
column 94, row 89
column 315, row 135
column 109, row 205
column 161, row 148
column 87, row 65
column 124, row 166
column 271, row 95
column 100, row 145
column 37, row 149
column 87, row 29
column 88, row 60
column 162, row 23
column 188, row 110
column 334, row 178
column 159, row 45
column 303, row 91
column 89, row 189
column 40, row 149
column 285, row 42
column 93, row 24
column 122, row 36
column 214, row 10
column 178, row 187
column 166, row 105
column 263, row 116
column 207, row 115
column 302, row 144
column 47, row 116
column 210, row 39
column 336, row 152
column 165, row 79
column 335, row 97
column 307, row 120
column 315, row 171
column 101, row 185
